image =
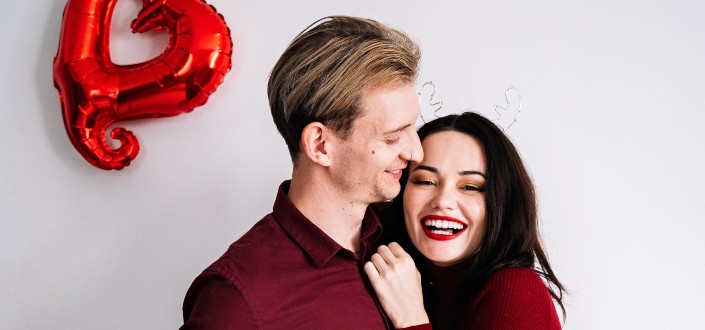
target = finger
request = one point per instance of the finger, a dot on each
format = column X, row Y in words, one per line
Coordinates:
column 386, row 254
column 373, row 275
column 371, row 271
column 403, row 259
column 397, row 250
column 379, row 263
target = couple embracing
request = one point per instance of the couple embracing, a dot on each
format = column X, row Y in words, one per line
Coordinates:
column 460, row 246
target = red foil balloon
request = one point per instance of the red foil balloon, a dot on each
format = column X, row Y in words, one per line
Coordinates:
column 95, row 93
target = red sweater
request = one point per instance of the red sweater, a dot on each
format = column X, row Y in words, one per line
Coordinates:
column 513, row 298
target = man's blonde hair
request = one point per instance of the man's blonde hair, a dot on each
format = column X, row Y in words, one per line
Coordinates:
column 323, row 73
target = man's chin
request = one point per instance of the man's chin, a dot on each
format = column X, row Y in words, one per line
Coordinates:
column 387, row 194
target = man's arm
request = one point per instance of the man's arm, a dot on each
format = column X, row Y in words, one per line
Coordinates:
column 213, row 303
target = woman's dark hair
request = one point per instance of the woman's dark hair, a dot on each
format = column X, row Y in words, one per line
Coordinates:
column 511, row 236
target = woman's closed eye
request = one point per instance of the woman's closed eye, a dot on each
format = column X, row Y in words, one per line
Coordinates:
column 423, row 182
column 471, row 187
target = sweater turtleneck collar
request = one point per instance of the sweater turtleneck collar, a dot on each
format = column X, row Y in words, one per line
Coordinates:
column 447, row 277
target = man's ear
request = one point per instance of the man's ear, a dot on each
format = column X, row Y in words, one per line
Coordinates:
column 316, row 143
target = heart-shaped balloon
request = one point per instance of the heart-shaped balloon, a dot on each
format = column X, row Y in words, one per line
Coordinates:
column 95, row 93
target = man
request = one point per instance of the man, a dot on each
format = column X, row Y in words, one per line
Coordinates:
column 342, row 97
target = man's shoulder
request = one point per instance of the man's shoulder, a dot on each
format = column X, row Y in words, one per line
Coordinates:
column 259, row 236
column 252, row 249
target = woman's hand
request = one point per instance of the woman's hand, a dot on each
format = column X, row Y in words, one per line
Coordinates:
column 397, row 283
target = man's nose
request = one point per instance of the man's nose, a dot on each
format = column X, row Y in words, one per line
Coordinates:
column 414, row 151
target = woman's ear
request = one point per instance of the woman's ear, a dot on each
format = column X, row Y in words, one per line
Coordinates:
column 316, row 143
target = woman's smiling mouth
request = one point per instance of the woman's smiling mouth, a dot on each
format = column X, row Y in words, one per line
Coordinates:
column 442, row 228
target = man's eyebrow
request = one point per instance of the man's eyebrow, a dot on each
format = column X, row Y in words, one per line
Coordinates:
column 396, row 129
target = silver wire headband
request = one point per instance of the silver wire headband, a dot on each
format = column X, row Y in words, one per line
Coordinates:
column 509, row 108
column 512, row 99
column 433, row 104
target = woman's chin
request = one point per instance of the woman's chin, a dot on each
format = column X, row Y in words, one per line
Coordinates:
column 441, row 258
column 444, row 263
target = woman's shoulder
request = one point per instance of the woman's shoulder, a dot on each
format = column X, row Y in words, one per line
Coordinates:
column 514, row 297
column 516, row 278
column 518, row 285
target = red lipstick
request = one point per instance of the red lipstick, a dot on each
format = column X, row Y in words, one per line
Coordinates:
column 442, row 228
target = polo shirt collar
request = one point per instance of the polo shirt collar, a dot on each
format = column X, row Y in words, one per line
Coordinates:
column 312, row 240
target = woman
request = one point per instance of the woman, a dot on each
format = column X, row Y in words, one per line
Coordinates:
column 470, row 223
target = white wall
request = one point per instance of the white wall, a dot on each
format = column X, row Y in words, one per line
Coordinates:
column 611, row 128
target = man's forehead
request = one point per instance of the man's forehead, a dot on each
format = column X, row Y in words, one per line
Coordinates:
column 388, row 110
column 380, row 124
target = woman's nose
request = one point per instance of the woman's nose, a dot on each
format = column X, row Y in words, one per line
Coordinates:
column 444, row 199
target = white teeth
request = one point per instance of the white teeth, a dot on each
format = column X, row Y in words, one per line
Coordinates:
column 443, row 224
column 442, row 232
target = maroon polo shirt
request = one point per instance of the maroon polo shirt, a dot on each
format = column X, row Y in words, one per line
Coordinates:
column 285, row 273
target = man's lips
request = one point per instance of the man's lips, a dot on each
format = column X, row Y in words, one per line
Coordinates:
column 395, row 173
column 442, row 228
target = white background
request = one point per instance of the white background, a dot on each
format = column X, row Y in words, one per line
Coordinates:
column 611, row 129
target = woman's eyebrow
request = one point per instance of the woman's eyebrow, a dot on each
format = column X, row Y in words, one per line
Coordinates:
column 472, row 173
column 435, row 170
column 424, row 167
